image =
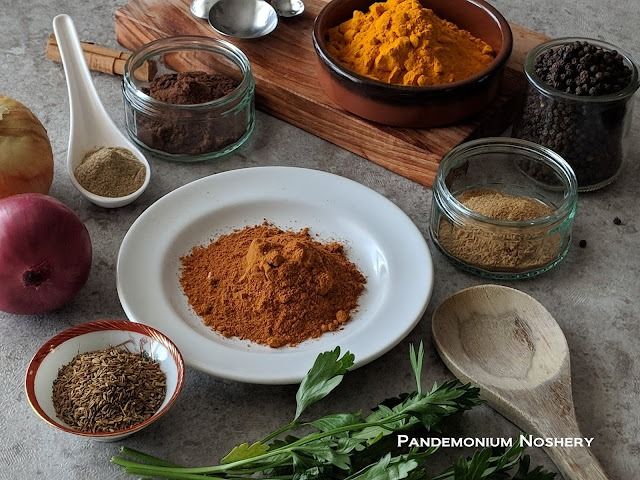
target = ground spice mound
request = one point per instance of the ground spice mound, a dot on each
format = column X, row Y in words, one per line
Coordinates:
column 401, row 42
column 188, row 88
column 111, row 172
column 499, row 249
column 503, row 206
column 271, row 286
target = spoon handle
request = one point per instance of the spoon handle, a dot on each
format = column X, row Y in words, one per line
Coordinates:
column 84, row 103
column 556, row 418
column 577, row 463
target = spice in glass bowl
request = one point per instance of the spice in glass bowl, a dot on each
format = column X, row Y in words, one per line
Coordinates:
column 490, row 218
column 108, row 390
column 510, row 250
column 173, row 135
column 190, row 88
column 199, row 105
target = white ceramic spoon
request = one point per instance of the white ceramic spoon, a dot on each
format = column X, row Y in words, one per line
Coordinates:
column 90, row 125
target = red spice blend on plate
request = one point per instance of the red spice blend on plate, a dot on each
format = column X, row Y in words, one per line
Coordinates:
column 271, row 286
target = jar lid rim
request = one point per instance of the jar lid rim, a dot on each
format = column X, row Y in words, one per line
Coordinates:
column 498, row 144
column 187, row 42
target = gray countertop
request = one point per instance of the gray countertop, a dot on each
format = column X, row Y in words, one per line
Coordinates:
column 593, row 293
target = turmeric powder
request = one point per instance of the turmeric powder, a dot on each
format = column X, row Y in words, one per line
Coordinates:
column 401, row 42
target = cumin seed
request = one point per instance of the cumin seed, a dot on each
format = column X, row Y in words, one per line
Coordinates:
column 108, row 390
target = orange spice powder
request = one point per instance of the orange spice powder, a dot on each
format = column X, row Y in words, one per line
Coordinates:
column 271, row 286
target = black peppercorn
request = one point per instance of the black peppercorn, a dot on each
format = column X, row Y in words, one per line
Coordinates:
column 583, row 244
column 588, row 135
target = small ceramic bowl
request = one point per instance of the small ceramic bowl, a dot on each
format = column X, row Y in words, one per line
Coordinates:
column 411, row 106
column 89, row 337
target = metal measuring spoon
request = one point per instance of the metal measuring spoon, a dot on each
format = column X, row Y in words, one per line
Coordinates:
column 200, row 8
column 243, row 18
column 288, row 8
column 284, row 8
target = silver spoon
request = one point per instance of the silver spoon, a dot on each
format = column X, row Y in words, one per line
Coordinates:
column 243, row 18
column 288, row 8
column 200, row 8
column 284, row 8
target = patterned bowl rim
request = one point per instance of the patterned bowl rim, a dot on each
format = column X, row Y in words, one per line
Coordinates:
column 101, row 326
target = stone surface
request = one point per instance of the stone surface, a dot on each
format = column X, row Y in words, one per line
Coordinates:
column 593, row 294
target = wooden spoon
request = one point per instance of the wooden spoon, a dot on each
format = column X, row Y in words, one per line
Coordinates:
column 510, row 346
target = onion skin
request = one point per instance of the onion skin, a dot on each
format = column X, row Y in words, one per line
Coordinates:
column 26, row 158
column 45, row 254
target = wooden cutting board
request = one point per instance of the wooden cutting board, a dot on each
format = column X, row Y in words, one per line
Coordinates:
column 286, row 87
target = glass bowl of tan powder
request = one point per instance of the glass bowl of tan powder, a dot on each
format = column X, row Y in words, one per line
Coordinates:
column 491, row 219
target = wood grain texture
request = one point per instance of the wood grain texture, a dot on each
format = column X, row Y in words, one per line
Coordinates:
column 102, row 59
column 509, row 345
column 286, row 87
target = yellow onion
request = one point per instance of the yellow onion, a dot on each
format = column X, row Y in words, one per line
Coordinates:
column 26, row 159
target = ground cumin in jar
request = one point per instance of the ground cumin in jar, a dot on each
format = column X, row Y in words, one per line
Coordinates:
column 271, row 286
column 490, row 218
column 513, row 250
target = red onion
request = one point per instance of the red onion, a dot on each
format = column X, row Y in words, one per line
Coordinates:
column 45, row 254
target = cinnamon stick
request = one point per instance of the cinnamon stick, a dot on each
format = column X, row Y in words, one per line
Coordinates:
column 103, row 59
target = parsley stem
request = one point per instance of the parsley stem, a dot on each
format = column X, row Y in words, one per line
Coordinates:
column 159, row 470
column 148, row 459
column 135, row 470
column 280, row 431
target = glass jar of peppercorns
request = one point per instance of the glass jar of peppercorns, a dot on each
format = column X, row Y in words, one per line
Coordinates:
column 578, row 103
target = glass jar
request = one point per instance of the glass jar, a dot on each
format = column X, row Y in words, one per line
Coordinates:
column 191, row 132
column 589, row 132
column 507, row 249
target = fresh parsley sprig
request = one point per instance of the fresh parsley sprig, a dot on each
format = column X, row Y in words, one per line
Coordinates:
column 485, row 464
column 349, row 446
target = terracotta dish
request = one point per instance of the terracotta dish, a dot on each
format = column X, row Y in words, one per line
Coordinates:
column 410, row 106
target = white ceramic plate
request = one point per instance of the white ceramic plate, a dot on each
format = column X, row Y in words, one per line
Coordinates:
column 380, row 239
